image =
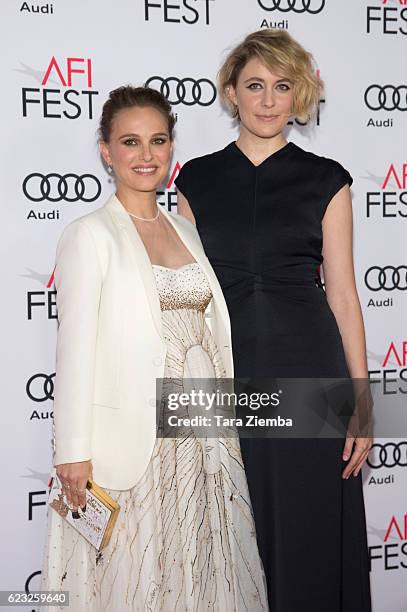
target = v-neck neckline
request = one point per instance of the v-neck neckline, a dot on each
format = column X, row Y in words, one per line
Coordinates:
column 233, row 145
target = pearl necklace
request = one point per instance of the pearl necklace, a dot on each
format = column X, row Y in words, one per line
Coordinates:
column 143, row 218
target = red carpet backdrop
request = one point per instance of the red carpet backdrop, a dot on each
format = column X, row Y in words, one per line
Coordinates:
column 59, row 61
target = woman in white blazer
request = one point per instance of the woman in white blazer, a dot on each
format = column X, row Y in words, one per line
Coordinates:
column 133, row 283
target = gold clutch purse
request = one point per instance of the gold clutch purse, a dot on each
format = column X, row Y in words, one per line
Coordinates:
column 97, row 522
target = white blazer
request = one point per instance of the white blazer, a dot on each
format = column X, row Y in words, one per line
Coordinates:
column 110, row 346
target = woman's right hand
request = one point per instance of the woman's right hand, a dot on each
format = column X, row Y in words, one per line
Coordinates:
column 74, row 478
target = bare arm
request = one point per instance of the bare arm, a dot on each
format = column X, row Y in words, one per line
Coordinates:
column 184, row 209
column 340, row 282
column 342, row 296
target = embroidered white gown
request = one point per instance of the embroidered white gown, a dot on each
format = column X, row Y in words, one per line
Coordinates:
column 185, row 538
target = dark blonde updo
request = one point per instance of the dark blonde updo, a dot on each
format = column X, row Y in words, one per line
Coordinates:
column 128, row 96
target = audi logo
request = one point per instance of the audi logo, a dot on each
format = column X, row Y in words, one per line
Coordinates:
column 296, row 6
column 388, row 278
column 387, row 455
column 386, row 97
column 40, row 387
column 184, row 91
column 55, row 187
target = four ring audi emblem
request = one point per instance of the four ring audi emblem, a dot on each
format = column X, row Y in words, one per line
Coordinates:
column 388, row 455
column 387, row 278
column 56, row 187
column 184, row 91
column 296, row 6
column 40, row 387
column 386, row 97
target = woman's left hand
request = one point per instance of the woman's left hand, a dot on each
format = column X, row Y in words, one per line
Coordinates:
column 355, row 452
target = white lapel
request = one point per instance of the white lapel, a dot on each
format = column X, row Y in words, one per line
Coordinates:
column 124, row 222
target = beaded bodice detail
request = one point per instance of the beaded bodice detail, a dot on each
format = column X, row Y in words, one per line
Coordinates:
column 182, row 288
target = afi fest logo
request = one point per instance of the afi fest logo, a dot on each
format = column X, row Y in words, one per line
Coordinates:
column 188, row 12
column 389, row 199
column 398, row 353
column 33, row 496
column 168, row 196
column 317, row 119
column 37, row 498
column 392, row 371
column 66, row 90
column 387, row 17
column 391, row 554
column 41, row 303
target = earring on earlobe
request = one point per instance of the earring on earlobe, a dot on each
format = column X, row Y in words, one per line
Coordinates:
column 110, row 169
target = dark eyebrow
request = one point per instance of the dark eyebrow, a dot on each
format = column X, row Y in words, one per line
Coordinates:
column 262, row 80
column 137, row 135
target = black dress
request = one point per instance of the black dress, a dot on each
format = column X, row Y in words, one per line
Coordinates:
column 261, row 230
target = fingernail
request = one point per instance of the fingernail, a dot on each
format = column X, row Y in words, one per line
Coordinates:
column 75, row 514
column 345, row 457
column 84, row 508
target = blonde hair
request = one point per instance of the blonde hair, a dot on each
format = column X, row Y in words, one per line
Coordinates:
column 283, row 55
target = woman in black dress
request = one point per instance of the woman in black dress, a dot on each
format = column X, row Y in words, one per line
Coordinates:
column 269, row 213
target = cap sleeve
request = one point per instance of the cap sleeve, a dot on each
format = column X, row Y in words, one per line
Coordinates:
column 338, row 177
column 185, row 181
